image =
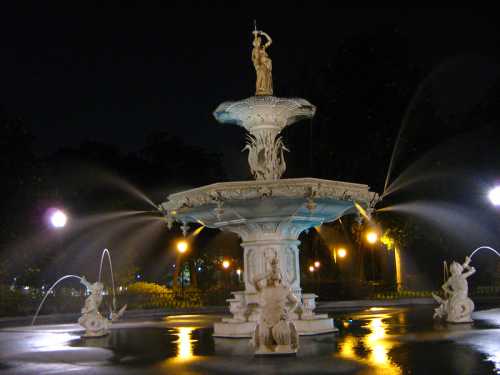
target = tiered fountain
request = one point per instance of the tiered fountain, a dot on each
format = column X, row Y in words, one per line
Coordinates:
column 269, row 213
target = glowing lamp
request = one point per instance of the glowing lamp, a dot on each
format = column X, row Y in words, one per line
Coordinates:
column 311, row 268
column 225, row 264
column 182, row 246
column 238, row 272
column 58, row 219
column 316, row 264
column 372, row 237
column 342, row 252
column 494, row 196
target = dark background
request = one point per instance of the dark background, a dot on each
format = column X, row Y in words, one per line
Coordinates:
column 97, row 99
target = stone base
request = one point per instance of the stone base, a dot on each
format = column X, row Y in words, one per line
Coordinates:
column 317, row 326
column 285, row 350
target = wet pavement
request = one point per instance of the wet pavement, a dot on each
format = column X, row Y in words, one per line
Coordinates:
column 372, row 341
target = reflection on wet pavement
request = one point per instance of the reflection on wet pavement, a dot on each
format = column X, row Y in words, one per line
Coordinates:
column 385, row 341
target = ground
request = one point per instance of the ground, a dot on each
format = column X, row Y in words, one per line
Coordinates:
column 380, row 340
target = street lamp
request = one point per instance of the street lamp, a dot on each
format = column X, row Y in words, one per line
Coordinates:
column 494, row 196
column 238, row 272
column 58, row 219
column 182, row 246
column 226, row 264
column 372, row 237
column 342, row 252
column 311, row 268
column 317, row 264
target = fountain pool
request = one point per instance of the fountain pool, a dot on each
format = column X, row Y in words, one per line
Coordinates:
column 371, row 341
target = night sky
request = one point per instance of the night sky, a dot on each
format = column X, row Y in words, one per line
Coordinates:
column 112, row 74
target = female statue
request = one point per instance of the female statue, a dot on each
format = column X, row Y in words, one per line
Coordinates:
column 262, row 64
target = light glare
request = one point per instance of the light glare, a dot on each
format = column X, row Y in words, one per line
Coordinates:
column 58, row 219
column 494, row 196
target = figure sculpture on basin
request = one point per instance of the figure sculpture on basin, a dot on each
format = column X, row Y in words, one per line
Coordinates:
column 275, row 332
column 456, row 307
column 94, row 323
column 262, row 64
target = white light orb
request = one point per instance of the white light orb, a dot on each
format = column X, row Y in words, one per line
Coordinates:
column 494, row 196
column 58, row 219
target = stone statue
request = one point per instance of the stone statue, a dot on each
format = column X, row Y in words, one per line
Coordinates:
column 94, row 323
column 456, row 306
column 275, row 332
column 262, row 64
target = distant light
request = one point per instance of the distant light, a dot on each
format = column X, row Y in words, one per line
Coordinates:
column 26, row 287
column 182, row 246
column 138, row 276
column 342, row 252
column 311, row 268
column 238, row 272
column 494, row 196
column 317, row 264
column 372, row 237
column 199, row 268
column 225, row 264
column 58, row 219
column 173, row 265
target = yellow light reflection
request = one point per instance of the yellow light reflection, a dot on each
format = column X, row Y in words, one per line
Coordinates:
column 376, row 343
column 198, row 230
column 184, row 344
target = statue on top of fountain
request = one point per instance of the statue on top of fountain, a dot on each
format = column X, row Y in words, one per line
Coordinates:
column 94, row 323
column 456, row 307
column 263, row 64
column 275, row 332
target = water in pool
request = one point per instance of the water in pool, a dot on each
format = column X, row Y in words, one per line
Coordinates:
column 373, row 341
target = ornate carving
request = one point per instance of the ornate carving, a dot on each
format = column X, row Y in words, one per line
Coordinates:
column 264, row 117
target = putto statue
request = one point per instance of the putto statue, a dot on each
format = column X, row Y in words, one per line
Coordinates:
column 275, row 332
column 456, row 307
column 94, row 323
column 262, row 63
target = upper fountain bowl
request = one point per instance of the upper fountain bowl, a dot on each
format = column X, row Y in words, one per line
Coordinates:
column 259, row 112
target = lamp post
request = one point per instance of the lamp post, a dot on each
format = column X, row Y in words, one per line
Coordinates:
column 182, row 246
column 372, row 238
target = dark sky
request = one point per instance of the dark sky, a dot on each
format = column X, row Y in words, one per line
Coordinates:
column 112, row 74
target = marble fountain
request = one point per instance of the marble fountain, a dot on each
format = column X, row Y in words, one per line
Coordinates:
column 270, row 212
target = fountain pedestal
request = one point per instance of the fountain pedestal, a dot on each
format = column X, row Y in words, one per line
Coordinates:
column 262, row 241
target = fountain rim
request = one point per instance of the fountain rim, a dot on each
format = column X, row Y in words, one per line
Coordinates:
column 307, row 187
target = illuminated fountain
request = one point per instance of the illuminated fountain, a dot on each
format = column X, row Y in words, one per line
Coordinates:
column 269, row 213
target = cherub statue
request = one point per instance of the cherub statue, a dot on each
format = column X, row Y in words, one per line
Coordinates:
column 275, row 332
column 456, row 307
column 262, row 63
column 94, row 323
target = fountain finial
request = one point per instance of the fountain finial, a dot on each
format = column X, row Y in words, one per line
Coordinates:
column 262, row 63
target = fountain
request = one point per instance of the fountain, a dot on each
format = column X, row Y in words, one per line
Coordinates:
column 269, row 213
column 94, row 323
